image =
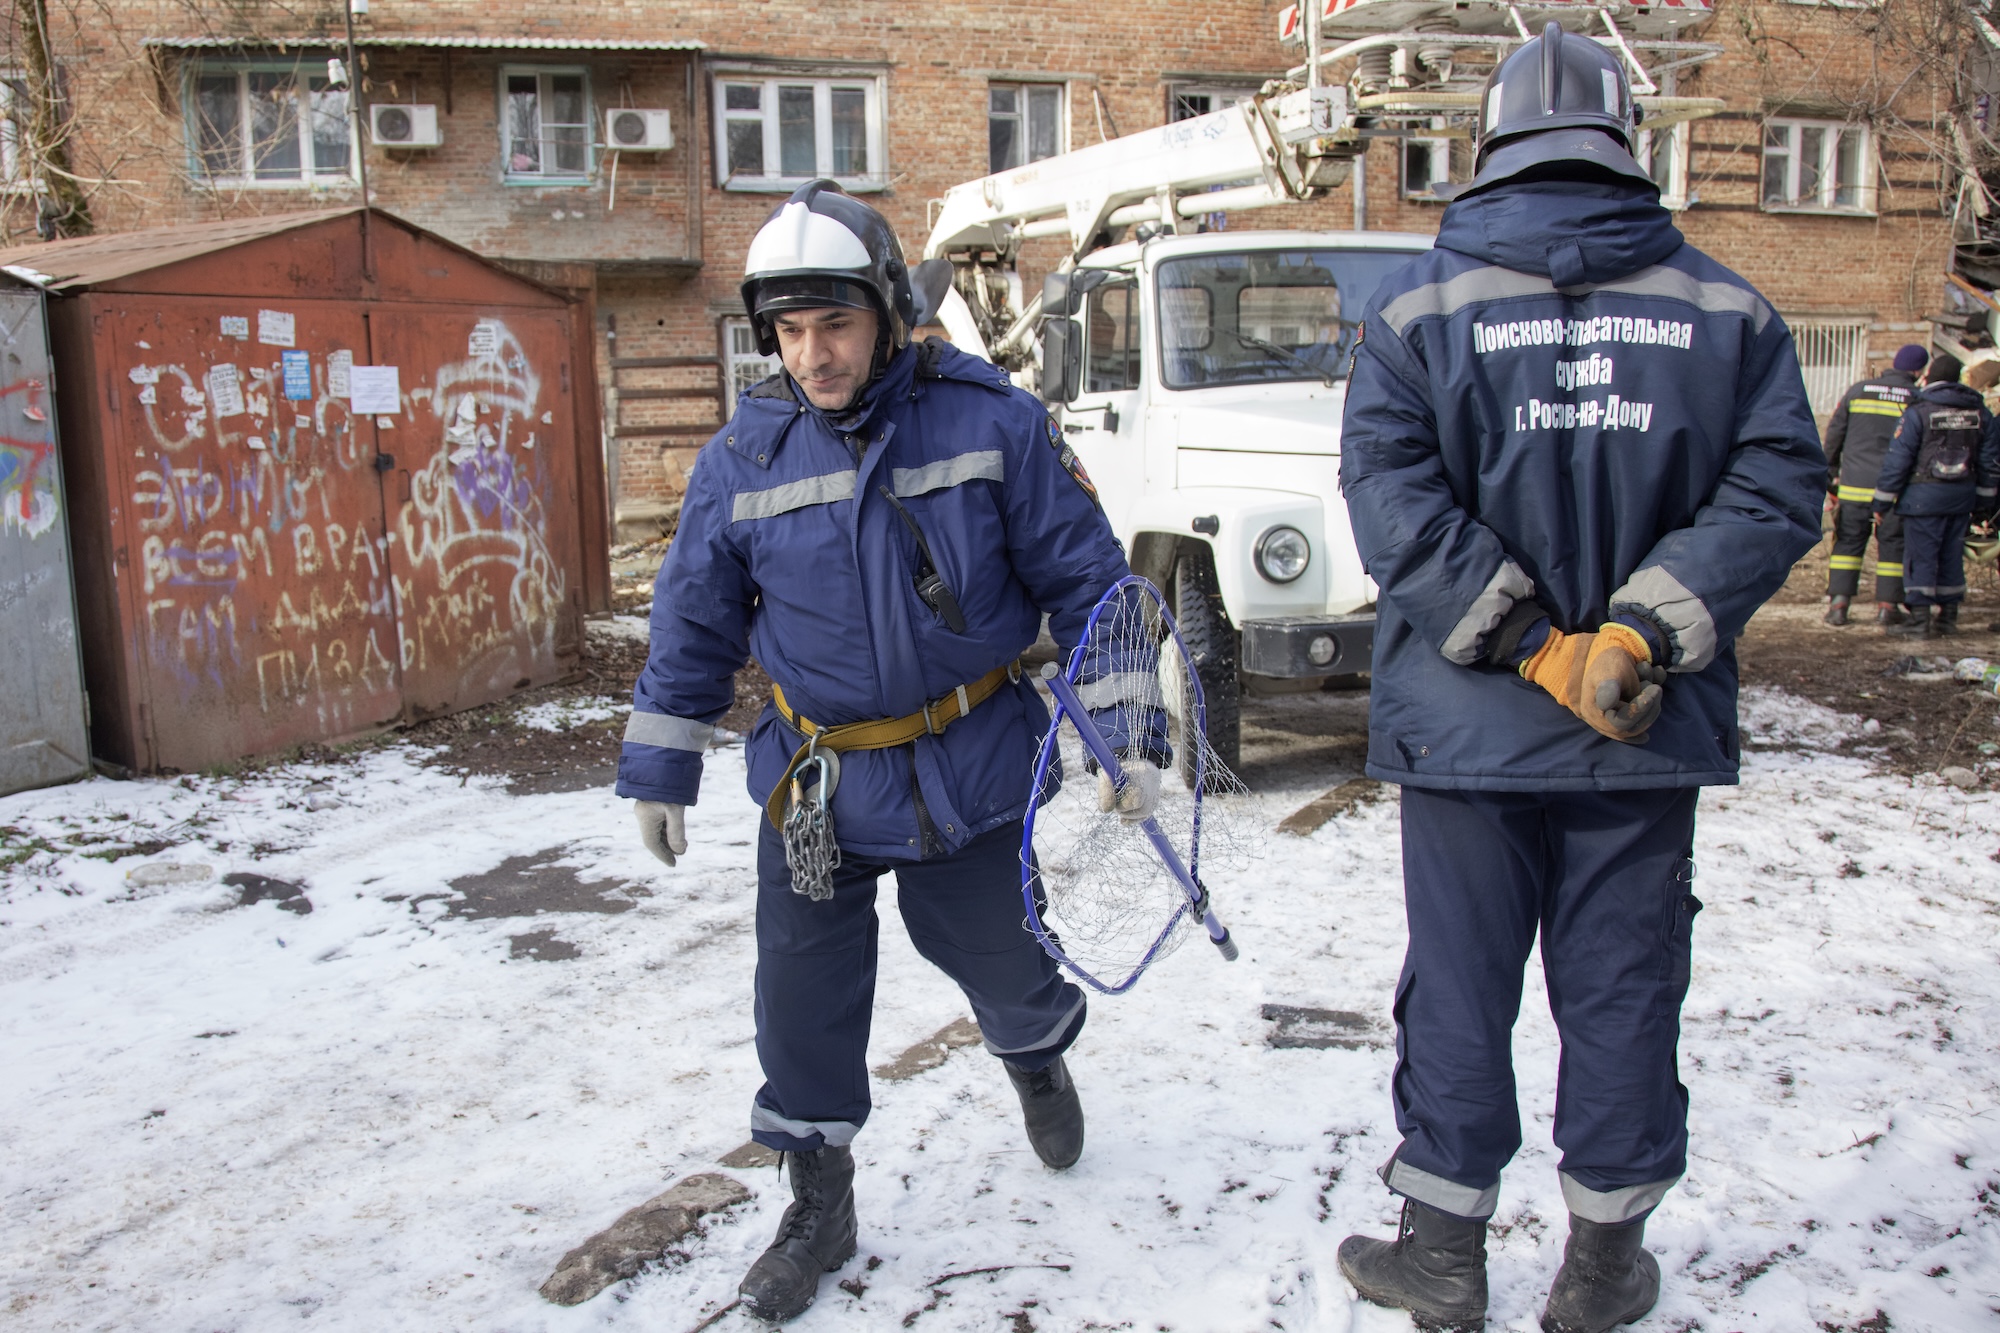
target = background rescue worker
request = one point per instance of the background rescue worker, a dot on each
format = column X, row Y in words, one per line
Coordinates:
column 1578, row 455
column 882, row 526
column 1943, row 464
column 1857, row 437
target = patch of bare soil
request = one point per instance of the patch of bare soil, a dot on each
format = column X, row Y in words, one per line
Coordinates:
column 493, row 741
column 1928, row 720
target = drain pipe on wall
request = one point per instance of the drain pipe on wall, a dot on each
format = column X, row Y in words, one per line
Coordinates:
column 1360, row 179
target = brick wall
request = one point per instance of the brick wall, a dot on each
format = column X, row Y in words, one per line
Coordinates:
column 937, row 61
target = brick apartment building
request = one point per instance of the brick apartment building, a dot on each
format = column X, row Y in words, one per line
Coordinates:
column 1810, row 183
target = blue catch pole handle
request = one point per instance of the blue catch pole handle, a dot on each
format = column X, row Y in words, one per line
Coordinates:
column 1100, row 750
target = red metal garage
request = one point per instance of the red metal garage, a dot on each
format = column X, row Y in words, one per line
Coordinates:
column 326, row 472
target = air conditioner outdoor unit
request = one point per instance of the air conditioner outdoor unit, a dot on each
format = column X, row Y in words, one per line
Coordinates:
column 404, row 126
column 632, row 130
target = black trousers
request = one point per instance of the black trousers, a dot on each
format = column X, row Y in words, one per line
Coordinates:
column 1937, row 558
column 1604, row 880
column 1852, row 527
column 816, row 978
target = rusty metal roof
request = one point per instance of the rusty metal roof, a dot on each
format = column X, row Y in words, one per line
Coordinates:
column 87, row 260
column 206, row 42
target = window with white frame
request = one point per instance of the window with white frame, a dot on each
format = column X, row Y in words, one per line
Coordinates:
column 268, row 125
column 1024, row 123
column 1664, row 155
column 746, row 365
column 545, row 124
column 1185, row 101
column 1820, row 165
column 1430, row 162
column 775, row 132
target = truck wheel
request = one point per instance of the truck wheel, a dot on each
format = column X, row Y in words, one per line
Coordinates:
column 1211, row 644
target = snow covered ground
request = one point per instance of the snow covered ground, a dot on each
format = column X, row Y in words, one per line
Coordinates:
column 397, row 1109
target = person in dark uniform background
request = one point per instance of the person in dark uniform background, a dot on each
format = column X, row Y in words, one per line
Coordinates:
column 1942, row 466
column 1857, row 438
column 1578, row 456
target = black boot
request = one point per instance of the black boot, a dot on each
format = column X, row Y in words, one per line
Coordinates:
column 1917, row 626
column 1435, row 1269
column 1607, row 1278
column 816, row 1236
column 1836, row 610
column 1946, row 621
column 1053, row 1113
column 1888, row 615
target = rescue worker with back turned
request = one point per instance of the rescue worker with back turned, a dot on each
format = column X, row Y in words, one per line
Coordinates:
column 1942, row 467
column 1578, row 455
column 882, row 525
column 1857, row 437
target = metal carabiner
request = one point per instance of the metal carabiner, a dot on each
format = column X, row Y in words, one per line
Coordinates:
column 828, row 764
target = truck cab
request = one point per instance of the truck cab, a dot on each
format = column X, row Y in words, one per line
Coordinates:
column 1201, row 380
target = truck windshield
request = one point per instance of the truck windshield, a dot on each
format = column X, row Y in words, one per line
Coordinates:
column 1265, row 315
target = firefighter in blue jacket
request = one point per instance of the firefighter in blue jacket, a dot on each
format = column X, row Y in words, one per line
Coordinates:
column 1578, row 455
column 882, row 526
column 1942, row 467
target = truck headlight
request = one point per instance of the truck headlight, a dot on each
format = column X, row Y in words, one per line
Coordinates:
column 1283, row 554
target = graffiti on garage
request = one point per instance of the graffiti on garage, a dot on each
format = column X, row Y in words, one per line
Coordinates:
column 297, row 558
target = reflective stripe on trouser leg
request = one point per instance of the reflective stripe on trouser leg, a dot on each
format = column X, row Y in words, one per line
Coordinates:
column 1889, row 558
column 1934, row 556
column 815, row 989
column 1599, row 875
column 1610, row 1208
column 1852, row 526
column 964, row 914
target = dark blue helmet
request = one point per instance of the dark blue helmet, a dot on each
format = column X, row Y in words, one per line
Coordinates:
column 1559, row 99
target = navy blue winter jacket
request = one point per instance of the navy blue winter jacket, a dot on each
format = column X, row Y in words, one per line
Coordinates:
column 788, row 551
column 1940, row 415
column 1564, row 401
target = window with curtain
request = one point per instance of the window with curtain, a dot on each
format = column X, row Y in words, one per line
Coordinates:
column 546, row 124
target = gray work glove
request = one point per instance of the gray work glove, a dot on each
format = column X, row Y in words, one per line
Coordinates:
column 663, row 828
column 1141, row 795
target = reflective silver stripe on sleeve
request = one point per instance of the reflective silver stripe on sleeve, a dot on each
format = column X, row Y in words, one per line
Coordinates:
column 1454, row 294
column 1445, row 1195
column 1886, row 497
column 1669, row 604
column 1509, row 584
column 1608, row 1208
column 1987, row 491
column 1124, row 687
column 792, row 495
column 1050, row 1038
column 837, row 1133
column 983, row 465
column 669, row 733
column 1492, row 284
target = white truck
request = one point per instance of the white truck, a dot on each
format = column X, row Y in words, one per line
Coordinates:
column 1199, row 372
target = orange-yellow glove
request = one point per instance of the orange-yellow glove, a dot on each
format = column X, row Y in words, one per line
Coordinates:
column 1607, row 679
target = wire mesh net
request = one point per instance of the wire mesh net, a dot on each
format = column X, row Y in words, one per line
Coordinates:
column 1108, row 905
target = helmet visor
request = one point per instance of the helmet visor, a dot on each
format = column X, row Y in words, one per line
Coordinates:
column 810, row 291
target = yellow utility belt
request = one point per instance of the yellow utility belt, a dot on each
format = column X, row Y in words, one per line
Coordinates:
column 885, row 733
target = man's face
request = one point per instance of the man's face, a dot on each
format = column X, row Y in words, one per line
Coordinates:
column 829, row 351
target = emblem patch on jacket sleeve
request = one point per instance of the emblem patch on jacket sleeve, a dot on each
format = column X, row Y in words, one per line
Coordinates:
column 1071, row 463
